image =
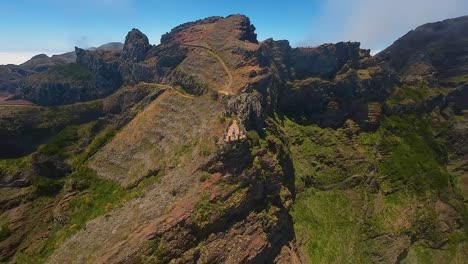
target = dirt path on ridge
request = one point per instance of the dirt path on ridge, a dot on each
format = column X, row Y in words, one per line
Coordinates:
column 227, row 89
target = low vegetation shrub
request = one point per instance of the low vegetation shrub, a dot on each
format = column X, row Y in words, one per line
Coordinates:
column 45, row 186
column 5, row 232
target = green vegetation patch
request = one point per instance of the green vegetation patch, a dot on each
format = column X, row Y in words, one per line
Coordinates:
column 403, row 156
column 454, row 251
column 74, row 71
column 459, row 79
column 413, row 93
column 155, row 252
column 99, row 141
column 5, row 232
column 13, row 166
column 45, row 186
column 78, row 142
column 321, row 156
column 413, row 157
column 328, row 226
column 205, row 210
column 58, row 145
column 64, row 73
column 97, row 197
column 60, row 116
column 208, row 210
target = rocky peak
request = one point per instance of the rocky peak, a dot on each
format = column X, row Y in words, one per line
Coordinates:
column 233, row 26
column 96, row 63
column 247, row 30
column 136, row 46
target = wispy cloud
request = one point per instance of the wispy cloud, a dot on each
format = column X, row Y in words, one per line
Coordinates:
column 82, row 42
column 377, row 23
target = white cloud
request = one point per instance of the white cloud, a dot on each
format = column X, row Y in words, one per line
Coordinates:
column 18, row 57
column 377, row 23
column 373, row 52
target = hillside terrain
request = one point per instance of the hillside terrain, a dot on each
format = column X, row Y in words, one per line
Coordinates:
column 215, row 147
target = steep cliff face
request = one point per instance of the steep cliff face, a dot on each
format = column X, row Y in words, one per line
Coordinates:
column 346, row 158
column 326, row 60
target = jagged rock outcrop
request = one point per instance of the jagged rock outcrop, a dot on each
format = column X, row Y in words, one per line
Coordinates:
column 136, row 46
column 105, row 67
column 142, row 62
column 247, row 31
column 248, row 107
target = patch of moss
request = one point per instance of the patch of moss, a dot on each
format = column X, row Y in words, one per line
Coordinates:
column 100, row 197
column 308, row 82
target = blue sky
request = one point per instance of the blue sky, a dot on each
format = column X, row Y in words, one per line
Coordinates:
column 54, row 26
